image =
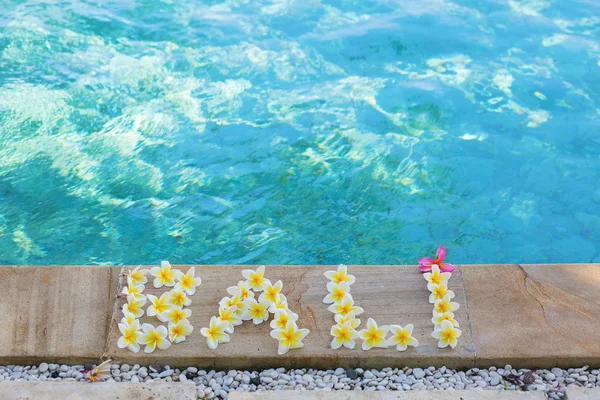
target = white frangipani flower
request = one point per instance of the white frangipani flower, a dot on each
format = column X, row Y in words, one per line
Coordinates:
column 341, row 275
column 444, row 305
column 438, row 292
column 349, row 317
column 257, row 311
column 343, row 335
column 180, row 330
column 154, row 337
column 281, row 319
column 158, row 305
column 234, row 301
column 373, row 335
column 402, row 337
column 133, row 292
column 242, row 289
column 215, row 333
column 175, row 315
column 129, row 318
column 436, row 277
column 130, row 335
column 178, row 298
column 290, row 337
column 270, row 292
column 137, row 276
column 447, row 335
column 337, row 292
column 447, row 316
column 229, row 316
column 280, row 303
column 134, row 307
column 164, row 275
column 187, row 282
column 255, row 279
column 345, row 306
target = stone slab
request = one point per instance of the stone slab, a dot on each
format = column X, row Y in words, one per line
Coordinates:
column 408, row 395
column 389, row 294
column 14, row 390
column 534, row 315
column 582, row 394
column 57, row 314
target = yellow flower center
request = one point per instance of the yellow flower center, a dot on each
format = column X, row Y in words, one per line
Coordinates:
column 186, row 281
column 401, row 336
column 442, row 307
column 435, row 278
column 256, row 280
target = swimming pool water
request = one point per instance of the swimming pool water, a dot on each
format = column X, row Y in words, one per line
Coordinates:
column 299, row 131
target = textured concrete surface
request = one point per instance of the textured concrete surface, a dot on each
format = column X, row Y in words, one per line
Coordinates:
column 96, row 391
column 390, row 295
column 580, row 394
column 534, row 315
column 409, row 395
column 53, row 313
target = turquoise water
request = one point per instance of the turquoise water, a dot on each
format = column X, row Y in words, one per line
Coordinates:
column 299, row 131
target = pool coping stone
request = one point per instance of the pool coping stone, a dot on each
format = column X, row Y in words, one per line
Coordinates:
column 519, row 314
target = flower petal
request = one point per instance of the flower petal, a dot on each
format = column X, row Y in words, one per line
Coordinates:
column 440, row 254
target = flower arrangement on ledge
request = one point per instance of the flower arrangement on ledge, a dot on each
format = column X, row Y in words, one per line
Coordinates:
column 244, row 306
column 344, row 331
column 437, row 274
column 257, row 299
column 168, row 308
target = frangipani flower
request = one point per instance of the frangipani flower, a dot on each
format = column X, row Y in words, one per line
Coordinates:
column 345, row 306
column 154, row 337
column 343, row 335
column 337, row 292
column 447, row 316
column 289, row 338
column 164, row 275
column 281, row 319
column 229, row 316
column 255, row 279
column 373, row 335
column 187, row 282
column 341, row 319
column 158, row 305
column 130, row 336
column 341, row 275
column 435, row 277
column 280, row 303
column 444, row 305
column 425, row 264
column 177, row 298
column 215, row 333
column 234, row 301
column 137, row 276
column 447, row 335
column 439, row 292
column 134, row 307
column 270, row 292
column 402, row 337
column 242, row 289
column 178, row 331
column 100, row 373
column 257, row 311
column 129, row 319
column 175, row 315
column 133, row 292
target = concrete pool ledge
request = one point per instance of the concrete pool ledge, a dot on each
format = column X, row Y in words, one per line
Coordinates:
column 525, row 315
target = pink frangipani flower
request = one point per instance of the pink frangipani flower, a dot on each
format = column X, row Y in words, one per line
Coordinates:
column 426, row 263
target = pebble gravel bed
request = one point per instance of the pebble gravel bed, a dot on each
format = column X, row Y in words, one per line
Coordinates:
column 218, row 384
